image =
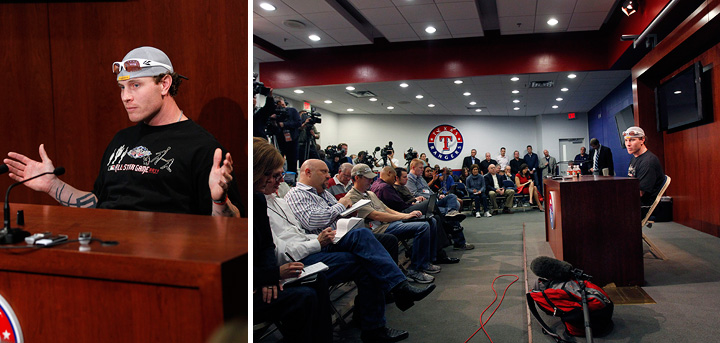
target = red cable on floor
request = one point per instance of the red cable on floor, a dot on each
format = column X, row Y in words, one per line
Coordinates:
column 482, row 325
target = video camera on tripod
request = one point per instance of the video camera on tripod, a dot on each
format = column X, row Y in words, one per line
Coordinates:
column 410, row 155
column 259, row 87
column 365, row 158
column 333, row 151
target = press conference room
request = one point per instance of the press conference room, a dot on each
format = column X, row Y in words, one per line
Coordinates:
column 581, row 93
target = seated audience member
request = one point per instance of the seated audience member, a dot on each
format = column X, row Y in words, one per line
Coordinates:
column 421, row 203
column 476, row 188
column 484, row 164
column 417, row 185
column 644, row 166
column 583, row 161
column 502, row 160
column 358, row 256
column 341, row 183
column 381, row 219
column 515, row 163
column 464, row 174
column 509, row 176
column 301, row 312
column 494, row 187
column 525, row 185
column 433, row 178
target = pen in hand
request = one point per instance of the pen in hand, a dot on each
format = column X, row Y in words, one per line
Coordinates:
column 292, row 259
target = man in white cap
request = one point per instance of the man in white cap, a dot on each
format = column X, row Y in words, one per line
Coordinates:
column 644, row 165
column 165, row 163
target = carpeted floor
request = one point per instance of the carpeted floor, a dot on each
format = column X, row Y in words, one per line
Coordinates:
column 683, row 287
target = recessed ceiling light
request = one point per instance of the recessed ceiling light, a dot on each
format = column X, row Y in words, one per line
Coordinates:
column 350, row 110
column 467, row 94
column 419, row 96
column 403, row 85
column 515, row 91
column 516, row 101
column 563, row 89
column 299, row 91
column 677, row 92
column 266, row 6
column 558, row 99
column 458, row 82
column 328, row 101
column 431, row 105
column 430, row 29
column 350, row 88
column 552, row 22
column 478, row 110
column 314, row 38
column 373, row 99
column 473, row 103
column 390, row 107
column 554, row 106
column 572, row 76
column 514, row 78
column 516, row 108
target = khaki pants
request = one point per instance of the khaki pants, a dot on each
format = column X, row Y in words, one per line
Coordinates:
column 509, row 195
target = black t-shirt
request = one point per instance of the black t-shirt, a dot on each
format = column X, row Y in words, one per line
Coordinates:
column 649, row 171
column 159, row 168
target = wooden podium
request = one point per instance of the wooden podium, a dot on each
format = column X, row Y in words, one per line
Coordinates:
column 593, row 222
column 171, row 278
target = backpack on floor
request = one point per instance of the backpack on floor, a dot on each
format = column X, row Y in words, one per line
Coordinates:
column 563, row 299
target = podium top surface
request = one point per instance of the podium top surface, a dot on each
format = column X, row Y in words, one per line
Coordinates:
column 589, row 178
column 153, row 247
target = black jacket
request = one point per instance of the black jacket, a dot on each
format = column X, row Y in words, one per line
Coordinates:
column 605, row 159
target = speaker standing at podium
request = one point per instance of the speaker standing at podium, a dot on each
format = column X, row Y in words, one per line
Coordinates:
column 165, row 163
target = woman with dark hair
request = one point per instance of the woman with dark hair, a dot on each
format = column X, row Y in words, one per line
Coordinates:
column 526, row 185
column 424, row 159
column 433, row 178
column 464, row 174
column 301, row 312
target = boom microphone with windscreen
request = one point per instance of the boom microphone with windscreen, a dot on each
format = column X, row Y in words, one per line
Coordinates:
column 551, row 269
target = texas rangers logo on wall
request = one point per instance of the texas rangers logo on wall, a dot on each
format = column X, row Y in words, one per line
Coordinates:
column 9, row 326
column 445, row 142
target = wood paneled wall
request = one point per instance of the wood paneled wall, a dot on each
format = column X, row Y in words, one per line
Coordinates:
column 57, row 86
column 691, row 156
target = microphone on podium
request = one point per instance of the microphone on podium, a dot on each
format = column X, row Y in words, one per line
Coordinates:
column 3, row 169
column 8, row 234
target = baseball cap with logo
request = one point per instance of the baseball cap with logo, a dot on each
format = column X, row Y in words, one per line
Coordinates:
column 633, row 132
column 364, row 170
column 141, row 62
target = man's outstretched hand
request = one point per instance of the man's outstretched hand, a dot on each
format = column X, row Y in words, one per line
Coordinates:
column 220, row 175
column 22, row 167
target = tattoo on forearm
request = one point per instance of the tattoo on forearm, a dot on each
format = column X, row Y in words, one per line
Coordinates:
column 88, row 200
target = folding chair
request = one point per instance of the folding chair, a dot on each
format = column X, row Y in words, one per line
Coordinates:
column 646, row 221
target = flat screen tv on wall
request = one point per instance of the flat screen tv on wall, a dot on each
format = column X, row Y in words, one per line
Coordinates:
column 684, row 100
column 623, row 120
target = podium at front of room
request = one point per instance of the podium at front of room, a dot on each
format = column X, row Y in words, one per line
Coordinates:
column 593, row 222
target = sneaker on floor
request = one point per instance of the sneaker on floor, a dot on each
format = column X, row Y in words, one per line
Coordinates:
column 507, row 211
column 432, row 269
column 478, row 215
column 419, row 277
column 487, row 214
column 455, row 215
column 464, row 247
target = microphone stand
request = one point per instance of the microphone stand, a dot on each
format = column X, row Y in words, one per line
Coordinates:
column 8, row 235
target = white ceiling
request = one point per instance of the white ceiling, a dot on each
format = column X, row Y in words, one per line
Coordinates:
column 406, row 20
column 493, row 94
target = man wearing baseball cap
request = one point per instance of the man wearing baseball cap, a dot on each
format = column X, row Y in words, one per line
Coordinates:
column 165, row 163
column 382, row 219
column 644, row 165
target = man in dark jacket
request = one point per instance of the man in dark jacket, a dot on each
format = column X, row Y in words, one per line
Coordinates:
column 600, row 158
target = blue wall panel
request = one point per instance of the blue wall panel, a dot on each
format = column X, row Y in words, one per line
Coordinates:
column 605, row 129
